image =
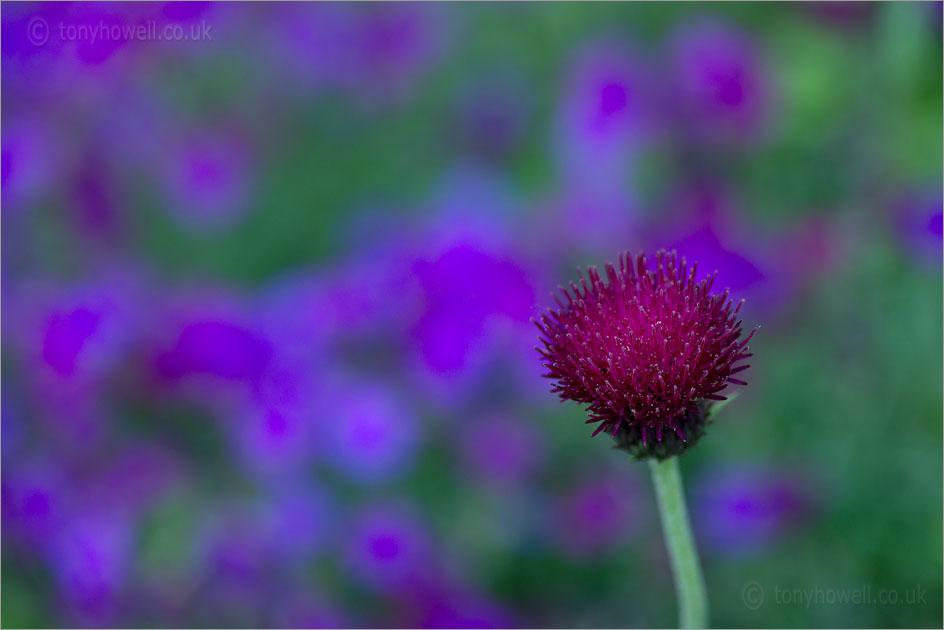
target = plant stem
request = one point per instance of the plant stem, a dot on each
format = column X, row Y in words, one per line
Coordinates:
column 686, row 570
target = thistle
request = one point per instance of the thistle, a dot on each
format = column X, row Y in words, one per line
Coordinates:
column 648, row 352
column 645, row 351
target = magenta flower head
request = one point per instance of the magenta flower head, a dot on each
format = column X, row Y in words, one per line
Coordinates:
column 646, row 351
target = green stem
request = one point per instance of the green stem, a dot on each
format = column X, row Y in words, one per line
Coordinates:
column 689, row 583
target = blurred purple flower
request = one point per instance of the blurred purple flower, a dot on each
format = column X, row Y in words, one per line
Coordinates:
column 90, row 560
column 745, row 509
column 242, row 362
column 355, row 297
column 66, row 334
column 720, row 82
column 388, row 548
column 35, row 502
column 605, row 113
column 457, row 311
column 370, row 432
column 274, row 440
column 468, row 237
column 918, row 217
column 599, row 513
column 223, row 349
column 500, row 450
column 315, row 315
column 70, row 339
column 208, row 179
column 447, row 606
column 80, row 523
column 31, row 161
column 463, row 331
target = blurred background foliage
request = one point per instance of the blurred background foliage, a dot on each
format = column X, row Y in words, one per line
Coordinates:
column 266, row 350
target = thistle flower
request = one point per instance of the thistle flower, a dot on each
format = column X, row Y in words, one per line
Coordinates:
column 646, row 351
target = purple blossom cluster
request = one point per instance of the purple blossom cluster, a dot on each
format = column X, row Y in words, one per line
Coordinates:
column 272, row 383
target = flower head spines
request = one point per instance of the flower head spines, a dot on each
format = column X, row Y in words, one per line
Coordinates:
column 643, row 348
